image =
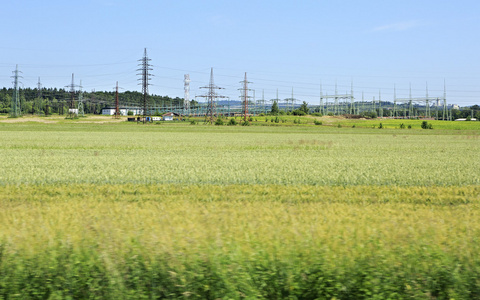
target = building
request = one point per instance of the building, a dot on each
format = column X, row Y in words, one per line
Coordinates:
column 168, row 116
column 109, row 111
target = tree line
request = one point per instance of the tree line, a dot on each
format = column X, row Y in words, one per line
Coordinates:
column 53, row 100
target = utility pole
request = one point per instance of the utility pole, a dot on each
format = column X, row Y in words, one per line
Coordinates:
column 145, row 68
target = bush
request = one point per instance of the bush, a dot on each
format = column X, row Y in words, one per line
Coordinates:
column 130, row 113
column 318, row 122
column 369, row 114
column 193, row 122
column 232, row 122
column 219, row 122
column 298, row 112
column 380, row 126
column 245, row 123
column 402, row 126
column 426, row 125
column 277, row 120
column 317, row 114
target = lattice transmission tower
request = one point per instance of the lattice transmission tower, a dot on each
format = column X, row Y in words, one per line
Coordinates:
column 16, row 110
column 72, row 109
column 145, row 68
column 245, row 97
column 211, row 97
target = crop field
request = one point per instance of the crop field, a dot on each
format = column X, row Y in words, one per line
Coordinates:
column 112, row 210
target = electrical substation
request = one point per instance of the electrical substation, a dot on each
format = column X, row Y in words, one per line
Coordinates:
column 212, row 104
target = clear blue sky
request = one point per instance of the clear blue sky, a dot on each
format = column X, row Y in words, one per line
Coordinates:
column 280, row 44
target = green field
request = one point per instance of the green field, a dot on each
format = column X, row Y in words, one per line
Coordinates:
column 95, row 208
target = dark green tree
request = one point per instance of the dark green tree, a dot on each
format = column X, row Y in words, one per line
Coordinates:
column 274, row 110
column 304, row 108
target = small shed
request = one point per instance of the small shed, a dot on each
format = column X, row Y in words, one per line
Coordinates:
column 168, row 116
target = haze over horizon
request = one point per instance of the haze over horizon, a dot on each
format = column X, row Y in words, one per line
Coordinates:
column 281, row 45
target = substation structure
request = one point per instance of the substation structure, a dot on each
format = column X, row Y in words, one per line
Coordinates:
column 402, row 108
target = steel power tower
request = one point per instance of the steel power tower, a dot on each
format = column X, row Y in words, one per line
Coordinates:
column 117, row 114
column 16, row 110
column 212, row 97
column 186, row 98
column 244, row 96
column 72, row 111
column 145, row 68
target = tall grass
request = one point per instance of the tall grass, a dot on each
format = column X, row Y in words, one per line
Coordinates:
column 129, row 241
column 116, row 212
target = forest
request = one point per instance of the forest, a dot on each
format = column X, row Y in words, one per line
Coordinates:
column 53, row 100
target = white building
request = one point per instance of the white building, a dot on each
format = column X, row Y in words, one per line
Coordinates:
column 168, row 116
column 123, row 111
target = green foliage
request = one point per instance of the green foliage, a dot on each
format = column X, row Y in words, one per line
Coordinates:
column 245, row 123
column 380, row 126
column 274, row 110
column 232, row 122
column 316, row 122
column 402, row 126
column 298, row 112
column 304, row 108
column 193, row 122
column 219, row 122
column 426, row 125
column 317, row 114
column 369, row 114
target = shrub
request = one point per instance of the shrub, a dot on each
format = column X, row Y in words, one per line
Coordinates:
column 409, row 126
column 245, row 123
column 317, row 114
column 380, row 126
column 316, row 122
column 339, row 125
column 193, row 122
column 219, row 122
column 277, row 120
column 298, row 112
column 402, row 126
column 130, row 113
column 232, row 122
column 426, row 125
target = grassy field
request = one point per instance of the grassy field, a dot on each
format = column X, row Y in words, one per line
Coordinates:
column 112, row 210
